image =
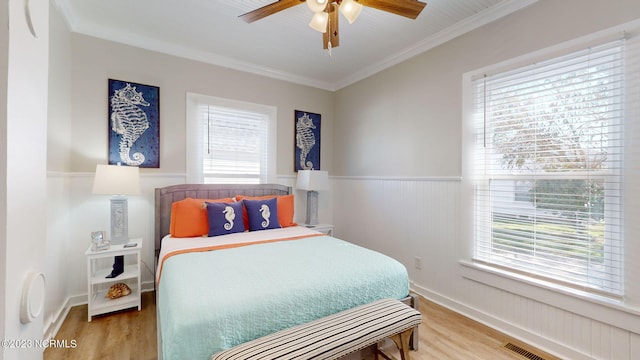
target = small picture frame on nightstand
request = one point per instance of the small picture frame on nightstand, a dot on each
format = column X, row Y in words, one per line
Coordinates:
column 99, row 241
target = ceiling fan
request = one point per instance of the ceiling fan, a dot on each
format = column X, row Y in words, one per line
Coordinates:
column 325, row 18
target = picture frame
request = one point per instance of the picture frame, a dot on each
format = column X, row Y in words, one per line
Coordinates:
column 99, row 241
column 306, row 140
column 134, row 124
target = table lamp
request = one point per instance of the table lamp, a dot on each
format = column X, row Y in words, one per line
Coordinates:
column 312, row 181
column 117, row 181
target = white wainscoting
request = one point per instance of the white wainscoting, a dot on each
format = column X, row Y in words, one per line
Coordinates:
column 420, row 217
column 402, row 217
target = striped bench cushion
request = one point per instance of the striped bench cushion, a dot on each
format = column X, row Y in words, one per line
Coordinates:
column 330, row 337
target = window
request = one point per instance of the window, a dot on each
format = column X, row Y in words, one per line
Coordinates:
column 232, row 141
column 548, row 161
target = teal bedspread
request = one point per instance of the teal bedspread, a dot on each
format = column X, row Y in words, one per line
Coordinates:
column 213, row 300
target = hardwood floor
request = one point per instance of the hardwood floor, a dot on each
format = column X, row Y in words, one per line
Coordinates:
column 127, row 334
column 445, row 334
column 131, row 334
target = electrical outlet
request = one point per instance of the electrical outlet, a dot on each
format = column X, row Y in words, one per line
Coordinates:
column 417, row 262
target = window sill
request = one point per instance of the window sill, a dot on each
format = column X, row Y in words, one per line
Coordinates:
column 600, row 308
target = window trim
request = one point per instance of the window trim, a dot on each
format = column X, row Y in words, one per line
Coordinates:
column 599, row 308
column 531, row 288
column 194, row 156
column 612, row 281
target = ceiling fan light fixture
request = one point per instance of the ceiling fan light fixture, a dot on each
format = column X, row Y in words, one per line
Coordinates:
column 350, row 9
column 317, row 5
column 319, row 21
column 325, row 19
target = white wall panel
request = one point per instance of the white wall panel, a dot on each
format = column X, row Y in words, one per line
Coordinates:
column 408, row 218
column 23, row 138
column 634, row 350
column 57, row 248
column 620, row 344
column 400, row 218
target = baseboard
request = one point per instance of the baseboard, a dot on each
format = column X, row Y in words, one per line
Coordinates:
column 148, row 286
column 51, row 329
column 516, row 332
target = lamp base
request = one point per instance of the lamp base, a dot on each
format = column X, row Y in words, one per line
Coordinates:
column 119, row 231
column 119, row 220
column 312, row 208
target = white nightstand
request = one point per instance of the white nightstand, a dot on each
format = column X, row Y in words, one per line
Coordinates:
column 99, row 266
column 323, row 228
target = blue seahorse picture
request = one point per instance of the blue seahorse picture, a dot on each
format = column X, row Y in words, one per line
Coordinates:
column 134, row 124
column 307, row 141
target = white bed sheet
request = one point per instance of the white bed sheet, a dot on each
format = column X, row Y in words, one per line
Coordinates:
column 171, row 245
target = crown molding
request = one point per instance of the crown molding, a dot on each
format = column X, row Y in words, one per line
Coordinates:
column 480, row 19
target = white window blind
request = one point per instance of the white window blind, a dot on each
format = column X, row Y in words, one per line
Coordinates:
column 548, row 169
column 231, row 141
column 234, row 145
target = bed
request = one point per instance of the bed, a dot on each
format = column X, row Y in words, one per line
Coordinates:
column 216, row 292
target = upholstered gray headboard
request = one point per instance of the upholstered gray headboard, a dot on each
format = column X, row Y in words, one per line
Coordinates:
column 165, row 196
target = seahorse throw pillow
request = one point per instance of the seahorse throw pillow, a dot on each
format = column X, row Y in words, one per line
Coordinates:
column 224, row 218
column 285, row 208
column 263, row 214
column 189, row 217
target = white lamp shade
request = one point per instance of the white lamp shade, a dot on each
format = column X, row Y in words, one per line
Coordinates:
column 312, row 180
column 317, row 5
column 319, row 22
column 116, row 180
column 350, row 10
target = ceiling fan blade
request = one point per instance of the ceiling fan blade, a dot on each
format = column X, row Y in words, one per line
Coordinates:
column 270, row 9
column 406, row 8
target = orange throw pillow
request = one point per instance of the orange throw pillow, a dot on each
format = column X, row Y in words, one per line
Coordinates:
column 285, row 209
column 189, row 217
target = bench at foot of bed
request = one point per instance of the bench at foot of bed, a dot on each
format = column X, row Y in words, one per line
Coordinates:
column 336, row 335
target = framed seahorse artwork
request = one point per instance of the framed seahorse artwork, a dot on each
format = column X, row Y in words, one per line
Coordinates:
column 134, row 124
column 307, row 141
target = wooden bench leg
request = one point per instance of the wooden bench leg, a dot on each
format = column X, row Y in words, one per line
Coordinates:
column 402, row 343
column 414, row 301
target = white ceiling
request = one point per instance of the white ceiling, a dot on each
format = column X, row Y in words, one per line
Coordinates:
column 282, row 45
